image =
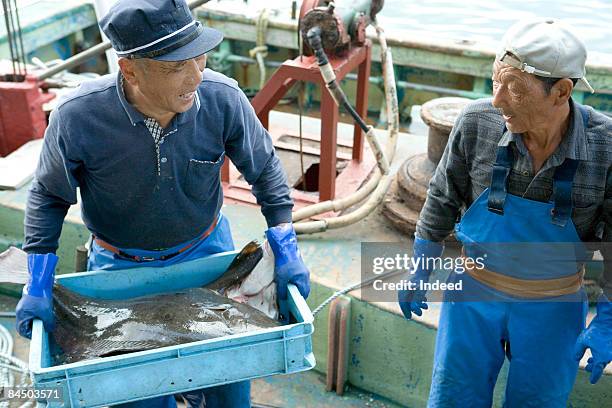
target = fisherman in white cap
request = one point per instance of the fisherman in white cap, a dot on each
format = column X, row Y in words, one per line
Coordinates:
column 530, row 169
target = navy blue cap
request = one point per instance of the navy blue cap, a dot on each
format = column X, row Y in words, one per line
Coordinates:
column 163, row 30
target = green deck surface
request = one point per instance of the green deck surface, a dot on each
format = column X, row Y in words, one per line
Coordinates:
column 388, row 355
column 304, row 390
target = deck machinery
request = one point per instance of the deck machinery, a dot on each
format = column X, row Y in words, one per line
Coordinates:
column 343, row 25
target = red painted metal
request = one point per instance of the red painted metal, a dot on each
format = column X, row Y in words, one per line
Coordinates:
column 308, row 5
column 306, row 69
column 21, row 115
column 236, row 190
column 362, row 101
column 329, row 133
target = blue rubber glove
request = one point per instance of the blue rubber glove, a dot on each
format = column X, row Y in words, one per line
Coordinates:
column 414, row 301
column 37, row 300
column 288, row 264
column 597, row 337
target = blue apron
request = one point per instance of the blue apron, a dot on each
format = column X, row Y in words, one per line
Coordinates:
column 480, row 326
column 236, row 395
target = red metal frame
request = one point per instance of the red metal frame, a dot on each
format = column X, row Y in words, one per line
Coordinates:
column 306, row 69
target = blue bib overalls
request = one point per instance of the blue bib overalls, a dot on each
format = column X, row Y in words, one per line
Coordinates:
column 480, row 326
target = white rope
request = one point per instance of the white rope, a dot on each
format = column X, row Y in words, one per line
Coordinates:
column 9, row 365
column 6, row 349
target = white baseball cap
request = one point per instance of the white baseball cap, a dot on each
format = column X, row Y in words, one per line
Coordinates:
column 545, row 47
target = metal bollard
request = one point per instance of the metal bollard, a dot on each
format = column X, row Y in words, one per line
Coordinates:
column 338, row 344
column 80, row 259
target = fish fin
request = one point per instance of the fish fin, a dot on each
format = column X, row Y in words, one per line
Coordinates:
column 242, row 265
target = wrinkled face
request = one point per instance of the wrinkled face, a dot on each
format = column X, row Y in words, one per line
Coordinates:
column 169, row 87
column 521, row 98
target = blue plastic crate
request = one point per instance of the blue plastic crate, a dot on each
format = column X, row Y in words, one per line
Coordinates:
column 169, row 370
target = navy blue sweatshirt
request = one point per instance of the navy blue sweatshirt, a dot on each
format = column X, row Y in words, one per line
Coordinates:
column 133, row 198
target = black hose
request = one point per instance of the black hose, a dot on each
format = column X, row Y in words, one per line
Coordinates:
column 314, row 39
column 364, row 126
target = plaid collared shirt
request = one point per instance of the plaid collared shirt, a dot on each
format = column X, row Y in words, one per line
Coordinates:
column 157, row 132
column 464, row 172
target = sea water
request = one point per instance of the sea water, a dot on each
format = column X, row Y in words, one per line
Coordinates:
column 483, row 21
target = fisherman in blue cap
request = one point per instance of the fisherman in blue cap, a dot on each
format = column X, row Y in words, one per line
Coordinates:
column 530, row 173
column 145, row 148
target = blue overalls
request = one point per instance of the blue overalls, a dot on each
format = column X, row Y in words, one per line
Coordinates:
column 480, row 325
column 236, row 395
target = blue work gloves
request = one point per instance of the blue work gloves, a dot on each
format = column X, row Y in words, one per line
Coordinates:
column 597, row 337
column 37, row 301
column 288, row 264
column 414, row 301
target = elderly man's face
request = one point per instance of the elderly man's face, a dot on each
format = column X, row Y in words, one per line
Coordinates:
column 170, row 86
column 521, row 99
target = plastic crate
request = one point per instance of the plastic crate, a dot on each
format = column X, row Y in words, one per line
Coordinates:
column 169, row 370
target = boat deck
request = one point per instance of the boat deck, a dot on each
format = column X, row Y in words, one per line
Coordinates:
column 294, row 390
column 389, row 356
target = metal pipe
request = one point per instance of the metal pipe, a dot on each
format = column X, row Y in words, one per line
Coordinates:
column 294, row 9
column 20, row 37
column 9, row 34
column 78, row 59
column 75, row 60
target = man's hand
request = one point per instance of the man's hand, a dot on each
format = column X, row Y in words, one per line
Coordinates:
column 37, row 301
column 413, row 300
column 288, row 264
column 597, row 337
column 34, row 307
